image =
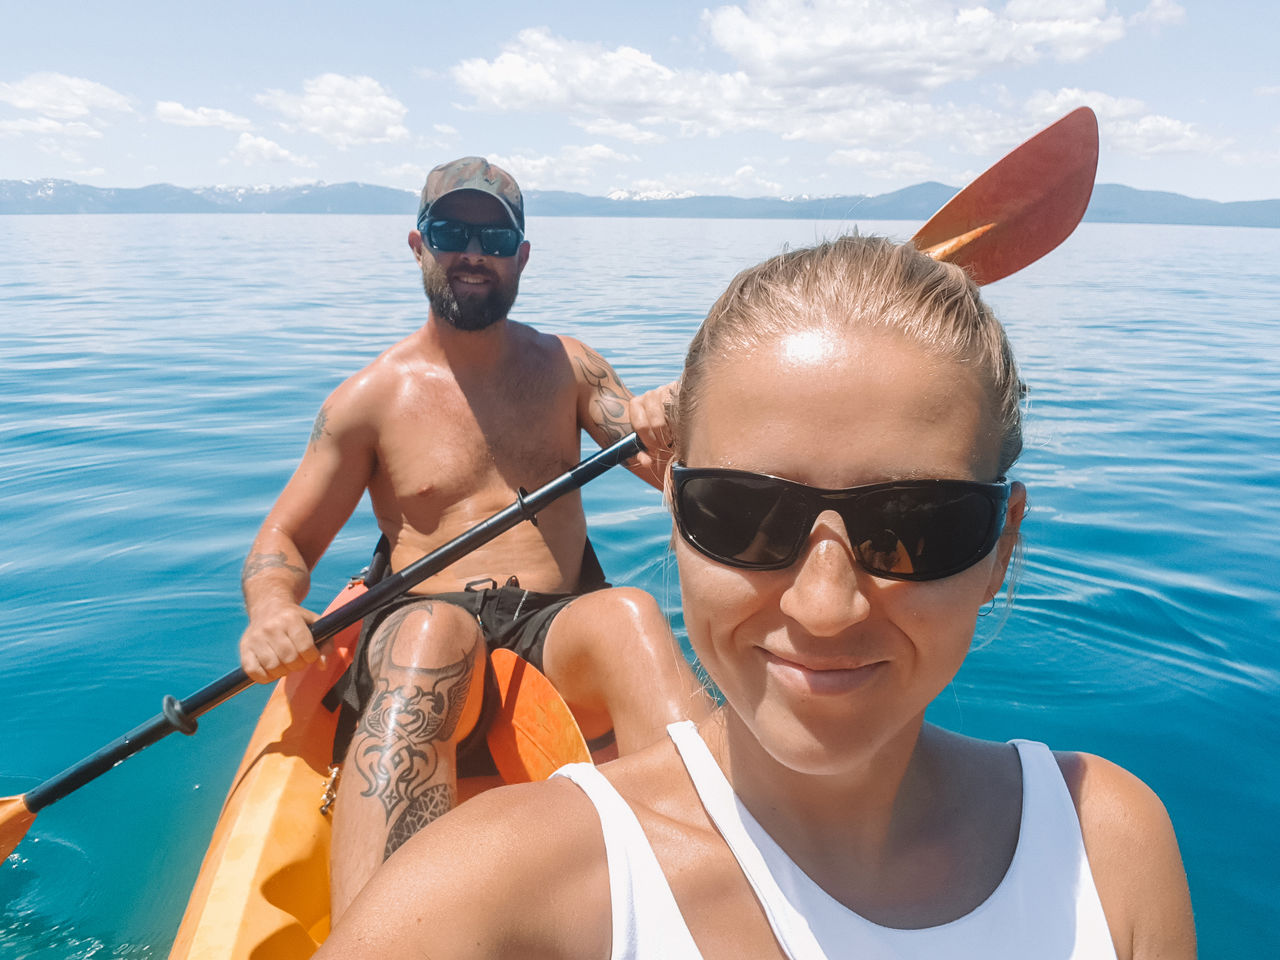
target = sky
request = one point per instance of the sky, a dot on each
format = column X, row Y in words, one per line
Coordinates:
column 660, row 98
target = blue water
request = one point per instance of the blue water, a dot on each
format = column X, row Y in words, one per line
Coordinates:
column 159, row 376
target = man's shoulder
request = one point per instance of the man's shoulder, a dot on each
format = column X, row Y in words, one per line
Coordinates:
column 391, row 365
column 589, row 366
column 414, row 348
column 530, row 337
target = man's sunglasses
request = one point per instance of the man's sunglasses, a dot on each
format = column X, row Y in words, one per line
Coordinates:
column 905, row 530
column 454, row 236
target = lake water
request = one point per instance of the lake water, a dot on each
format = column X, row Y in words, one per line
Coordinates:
column 159, row 376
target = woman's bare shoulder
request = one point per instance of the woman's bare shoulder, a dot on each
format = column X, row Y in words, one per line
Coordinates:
column 516, row 871
column 1133, row 856
column 657, row 787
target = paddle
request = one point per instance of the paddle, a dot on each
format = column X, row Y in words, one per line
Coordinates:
column 1026, row 204
column 17, row 813
column 1017, row 211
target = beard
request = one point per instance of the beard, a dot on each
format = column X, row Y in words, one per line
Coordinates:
column 470, row 313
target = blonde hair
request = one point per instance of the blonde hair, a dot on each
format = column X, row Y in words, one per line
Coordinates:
column 858, row 283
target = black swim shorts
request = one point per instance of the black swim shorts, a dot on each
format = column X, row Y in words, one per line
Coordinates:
column 510, row 618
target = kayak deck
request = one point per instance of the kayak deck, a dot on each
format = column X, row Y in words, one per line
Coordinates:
column 263, row 888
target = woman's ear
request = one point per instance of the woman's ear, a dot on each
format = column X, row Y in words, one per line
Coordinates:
column 1015, row 511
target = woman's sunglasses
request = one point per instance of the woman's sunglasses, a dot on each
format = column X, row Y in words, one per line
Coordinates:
column 454, row 236
column 905, row 530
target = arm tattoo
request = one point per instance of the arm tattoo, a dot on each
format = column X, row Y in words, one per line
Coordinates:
column 255, row 563
column 397, row 744
column 318, row 428
column 609, row 403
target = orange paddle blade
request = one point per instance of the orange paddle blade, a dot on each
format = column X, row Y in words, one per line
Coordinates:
column 15, row 818
column 1023, row 206
column 534, row 732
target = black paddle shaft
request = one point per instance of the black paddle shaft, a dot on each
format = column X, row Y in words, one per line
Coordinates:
column 181, row 714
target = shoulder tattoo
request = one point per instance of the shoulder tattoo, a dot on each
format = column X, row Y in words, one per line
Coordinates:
column 609, row 397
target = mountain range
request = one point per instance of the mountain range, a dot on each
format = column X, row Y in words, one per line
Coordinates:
column 1111, row 203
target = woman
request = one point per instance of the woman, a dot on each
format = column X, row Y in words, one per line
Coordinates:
column 817, row 814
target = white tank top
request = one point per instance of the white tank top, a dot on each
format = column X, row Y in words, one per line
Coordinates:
column 1046, row 906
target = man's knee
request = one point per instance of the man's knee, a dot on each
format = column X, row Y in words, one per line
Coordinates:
column 427, row 663
column 426, row 636
column 625, row 604
column 619, row 623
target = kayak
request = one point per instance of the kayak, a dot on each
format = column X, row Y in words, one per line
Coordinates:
column 263, row 888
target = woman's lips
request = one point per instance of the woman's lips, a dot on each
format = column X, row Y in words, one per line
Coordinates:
column 813, row 675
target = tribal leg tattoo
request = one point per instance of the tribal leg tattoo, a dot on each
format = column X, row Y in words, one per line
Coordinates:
column 401, row 733
column 435, row 802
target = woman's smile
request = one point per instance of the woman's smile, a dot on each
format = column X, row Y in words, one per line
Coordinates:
column 820, row 675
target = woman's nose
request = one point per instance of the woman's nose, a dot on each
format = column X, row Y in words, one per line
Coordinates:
column 826, row 593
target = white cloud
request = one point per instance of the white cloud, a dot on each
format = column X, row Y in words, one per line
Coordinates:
column 635, row 92
column 253, row 151
column 1159, row 13
column 887, row 164
column 345, row 111
column 1267, row 91
column 408, row 175
column 745, row 181
column 62, row 97
column 1254, row 158
column 1155, row 133
column 171, row 111
column 45, row 126
column 620, row 130
column 547, row 71
column 61, row 150
column 853, row 73
column 906, row 46
column 571, row 166
column 1045, row 106
column 1125, row 123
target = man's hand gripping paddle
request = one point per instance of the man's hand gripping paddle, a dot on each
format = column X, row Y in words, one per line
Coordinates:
column 1017, row 211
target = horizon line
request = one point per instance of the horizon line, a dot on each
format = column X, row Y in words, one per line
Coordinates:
column 637, row 197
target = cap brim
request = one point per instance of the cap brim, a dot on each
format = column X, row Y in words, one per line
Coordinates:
column 506, row 207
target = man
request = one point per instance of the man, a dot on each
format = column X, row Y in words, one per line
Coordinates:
column 442, row 429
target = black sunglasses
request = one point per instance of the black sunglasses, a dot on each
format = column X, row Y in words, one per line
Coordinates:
column 454, row 236
column 904, row 530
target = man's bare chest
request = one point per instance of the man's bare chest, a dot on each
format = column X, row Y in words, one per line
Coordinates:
column 445, row 444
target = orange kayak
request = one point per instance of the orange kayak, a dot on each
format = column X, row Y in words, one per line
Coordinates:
column 263, row 889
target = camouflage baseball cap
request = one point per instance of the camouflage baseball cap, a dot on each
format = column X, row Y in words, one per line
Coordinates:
column 473, row 173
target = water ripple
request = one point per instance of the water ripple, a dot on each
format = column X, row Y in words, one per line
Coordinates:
column 158, row 393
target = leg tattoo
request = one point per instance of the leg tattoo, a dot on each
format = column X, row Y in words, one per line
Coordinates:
column 435, row 802
column 398, row 741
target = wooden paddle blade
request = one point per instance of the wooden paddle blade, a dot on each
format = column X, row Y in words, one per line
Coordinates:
column 15, row 819
column 1023, row 206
